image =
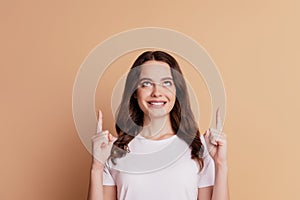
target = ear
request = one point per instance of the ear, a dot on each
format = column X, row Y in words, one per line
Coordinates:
column 134, row 95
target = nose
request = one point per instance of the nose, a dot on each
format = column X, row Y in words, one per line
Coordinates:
column 156, row 90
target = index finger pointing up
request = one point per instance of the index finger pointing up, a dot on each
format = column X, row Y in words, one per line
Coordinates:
column 219, row 120
column 99, row 126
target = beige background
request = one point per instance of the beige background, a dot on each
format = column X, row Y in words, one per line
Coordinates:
column 255, row 45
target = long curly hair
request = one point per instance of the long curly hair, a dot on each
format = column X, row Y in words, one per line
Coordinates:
column 130, row 118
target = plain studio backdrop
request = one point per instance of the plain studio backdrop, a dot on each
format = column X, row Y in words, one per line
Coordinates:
column 255, row 45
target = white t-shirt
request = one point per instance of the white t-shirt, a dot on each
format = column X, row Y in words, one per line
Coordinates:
column 154, row 172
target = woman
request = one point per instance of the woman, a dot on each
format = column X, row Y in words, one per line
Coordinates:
column 154, row 114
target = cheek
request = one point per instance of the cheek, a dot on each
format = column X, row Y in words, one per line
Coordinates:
column 171, row 94
column 141, row 95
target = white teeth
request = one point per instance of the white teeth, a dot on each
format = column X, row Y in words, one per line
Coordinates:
column 157, row 103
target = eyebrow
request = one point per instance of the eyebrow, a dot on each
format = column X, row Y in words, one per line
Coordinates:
column 163, row 79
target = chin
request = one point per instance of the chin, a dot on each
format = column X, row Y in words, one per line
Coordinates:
column 158, row 114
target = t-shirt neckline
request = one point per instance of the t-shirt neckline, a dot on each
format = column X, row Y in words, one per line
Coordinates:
column 139, row 136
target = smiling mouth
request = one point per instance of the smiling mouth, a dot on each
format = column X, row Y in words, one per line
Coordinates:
column 157, row 103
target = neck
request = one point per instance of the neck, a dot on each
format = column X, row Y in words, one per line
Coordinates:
column 157, row 128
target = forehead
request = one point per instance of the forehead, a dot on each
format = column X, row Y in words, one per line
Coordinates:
column 155, row 70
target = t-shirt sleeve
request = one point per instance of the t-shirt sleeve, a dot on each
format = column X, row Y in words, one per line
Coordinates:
column 107, row 177
column 207, row 174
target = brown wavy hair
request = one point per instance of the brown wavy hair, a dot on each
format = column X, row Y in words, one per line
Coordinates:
column 130, row 118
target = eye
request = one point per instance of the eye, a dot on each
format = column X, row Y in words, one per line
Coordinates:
column 146, row 84
column 167, row 83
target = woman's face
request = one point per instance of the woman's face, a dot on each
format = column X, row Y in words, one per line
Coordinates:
column 156, row 93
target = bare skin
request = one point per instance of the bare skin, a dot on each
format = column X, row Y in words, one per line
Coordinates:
column 158, row 126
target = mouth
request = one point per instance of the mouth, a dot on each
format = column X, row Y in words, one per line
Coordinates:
column 156, row 103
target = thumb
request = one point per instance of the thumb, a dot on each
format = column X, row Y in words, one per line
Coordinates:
column 111, row 138
column 206, row 134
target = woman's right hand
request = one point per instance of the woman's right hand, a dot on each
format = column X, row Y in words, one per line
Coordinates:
column 102, row 143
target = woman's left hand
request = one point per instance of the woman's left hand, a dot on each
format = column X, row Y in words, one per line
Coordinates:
column 216, row 142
